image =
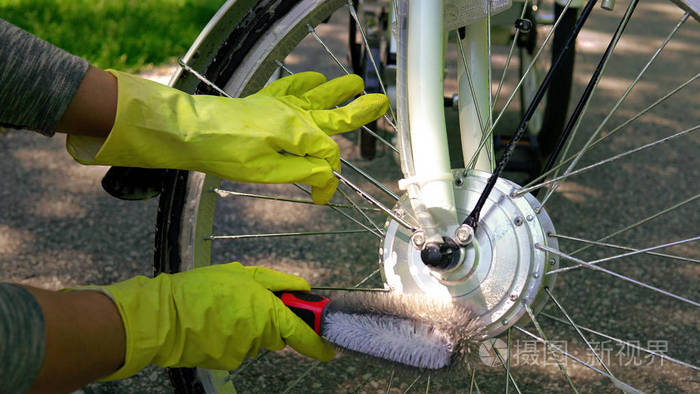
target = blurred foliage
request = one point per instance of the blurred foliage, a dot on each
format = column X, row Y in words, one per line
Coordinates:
column 122, row 34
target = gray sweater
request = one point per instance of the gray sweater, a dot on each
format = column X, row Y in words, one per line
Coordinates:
column 37, row 82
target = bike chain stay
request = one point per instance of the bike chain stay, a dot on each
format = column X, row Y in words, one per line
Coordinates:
column 473, row 218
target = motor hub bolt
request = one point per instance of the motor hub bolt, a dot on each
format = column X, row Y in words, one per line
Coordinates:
column 464, row 235
column 418, row 239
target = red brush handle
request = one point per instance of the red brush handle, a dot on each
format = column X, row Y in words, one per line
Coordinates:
column 308, row 306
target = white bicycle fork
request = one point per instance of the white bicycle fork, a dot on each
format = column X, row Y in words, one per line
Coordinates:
column 428, row 179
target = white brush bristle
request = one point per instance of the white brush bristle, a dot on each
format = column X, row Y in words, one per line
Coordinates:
column 418, row 331
column 390, row 338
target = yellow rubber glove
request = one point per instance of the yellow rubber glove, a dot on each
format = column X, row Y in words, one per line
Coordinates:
column 211, row 317
column 278, row 135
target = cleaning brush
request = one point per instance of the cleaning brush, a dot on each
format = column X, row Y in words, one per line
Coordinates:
column 418, row 331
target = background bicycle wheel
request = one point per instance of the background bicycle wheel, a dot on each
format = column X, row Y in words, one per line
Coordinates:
column 57, row 227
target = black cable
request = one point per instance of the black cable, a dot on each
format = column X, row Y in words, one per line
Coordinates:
column 473, row 217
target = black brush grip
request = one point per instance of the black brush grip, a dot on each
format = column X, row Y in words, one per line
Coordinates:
column 304, row 314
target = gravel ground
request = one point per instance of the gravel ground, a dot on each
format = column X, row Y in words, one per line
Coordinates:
column 59, row 229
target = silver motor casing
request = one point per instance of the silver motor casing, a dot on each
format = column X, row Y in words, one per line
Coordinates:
column 502, row 270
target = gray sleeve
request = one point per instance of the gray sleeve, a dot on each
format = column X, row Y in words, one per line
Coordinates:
column 22, row 337
column 37, row 80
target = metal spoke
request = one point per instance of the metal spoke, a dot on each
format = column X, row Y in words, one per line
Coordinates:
column 488, row 40
column 301, row 377
column 615, row 274
column 565, row 353
column 313, row 33
column 353, row 14
column 508, row 354
column 620, row 341
column 233, row 374
column 522, row 79
column 378, row 235
column 363, row 127
column 640, row 222
column 363, row 384
column 360, row 289
column 632, row 253
column 583, row 337
column 357, row 208
column 608, row 245
column 374, row 202
column 619, row 101
column 548, row 345
column 473, row 384
column 378, row 137
column 616, row 129
column 283, row 67
column 505, row 69
column 618, row 383
column 366, row 278
column 370, row 179
column 460, row 48
column 605, row 161
column 290, row 234
column 412, row 384
column 507, row 368
column 201, row 77
column 391, row 381
column 230, row 193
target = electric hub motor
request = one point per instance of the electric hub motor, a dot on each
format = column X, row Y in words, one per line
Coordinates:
column 499, row 273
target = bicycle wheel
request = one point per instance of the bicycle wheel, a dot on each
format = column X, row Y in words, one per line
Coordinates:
column 619, row 209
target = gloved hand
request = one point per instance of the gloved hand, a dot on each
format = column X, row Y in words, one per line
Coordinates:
column 278, row 135
column 211, row 317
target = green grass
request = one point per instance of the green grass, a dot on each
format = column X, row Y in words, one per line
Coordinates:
column 122, row 34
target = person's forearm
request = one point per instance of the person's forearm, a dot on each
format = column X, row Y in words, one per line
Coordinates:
column 93, row 107
column 85, row 339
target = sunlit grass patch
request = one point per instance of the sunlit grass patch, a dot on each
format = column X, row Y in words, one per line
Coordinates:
column 120, row 34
